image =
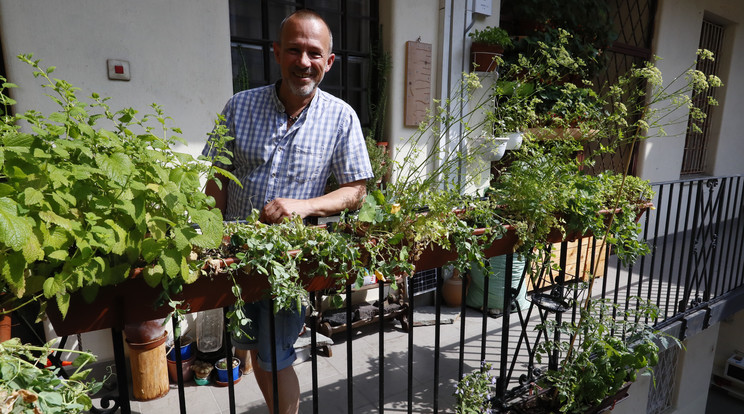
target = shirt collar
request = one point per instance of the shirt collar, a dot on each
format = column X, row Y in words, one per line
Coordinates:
column 278, row 103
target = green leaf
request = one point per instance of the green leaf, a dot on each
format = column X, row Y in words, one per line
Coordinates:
column 368, row 211
column 63, row 303
column 13, row 266
column 151, row 249
column 171, row 261
column 14, row 230
column 32, row 196
column 153, row 275
column 118, row 167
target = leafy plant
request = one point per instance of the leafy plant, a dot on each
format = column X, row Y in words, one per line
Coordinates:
column 473, row 392
column 82, row 204
column 605, row 349
column 491, row 36
column 27, row 387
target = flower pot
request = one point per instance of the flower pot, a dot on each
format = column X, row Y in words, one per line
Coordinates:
column 222, row 374
column 188, row 373
column 149, row 368
column 452, row 290
column 482, row 57
column 187, row 349
column 201, row 370
column 144, row 332
column 5, row 327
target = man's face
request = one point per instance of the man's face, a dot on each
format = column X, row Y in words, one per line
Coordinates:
column 303, row 55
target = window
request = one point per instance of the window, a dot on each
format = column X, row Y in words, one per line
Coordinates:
column 694, row 160
column 254, row 25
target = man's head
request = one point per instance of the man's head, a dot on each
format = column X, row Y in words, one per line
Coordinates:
column 304, row 51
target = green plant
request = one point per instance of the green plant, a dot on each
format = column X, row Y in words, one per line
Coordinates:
column 589, row 23
column 491, row 36
column 82, row 204
column 606, row 348
column 27, row 387
column 473, row 392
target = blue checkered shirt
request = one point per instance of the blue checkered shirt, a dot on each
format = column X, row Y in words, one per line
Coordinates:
column 271, row 161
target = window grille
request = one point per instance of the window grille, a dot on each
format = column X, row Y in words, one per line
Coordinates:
column 695, row 158
column 254, row 25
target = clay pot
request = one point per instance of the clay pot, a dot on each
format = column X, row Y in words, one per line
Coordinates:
column 144, row 332
column 5, row 327
column 188, row 373
column 452, row 290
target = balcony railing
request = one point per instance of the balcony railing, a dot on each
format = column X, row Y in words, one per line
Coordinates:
column 695, row 235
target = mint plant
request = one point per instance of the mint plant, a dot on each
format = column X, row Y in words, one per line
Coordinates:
column 87, row 194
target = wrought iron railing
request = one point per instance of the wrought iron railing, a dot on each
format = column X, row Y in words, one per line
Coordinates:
column 696, row 237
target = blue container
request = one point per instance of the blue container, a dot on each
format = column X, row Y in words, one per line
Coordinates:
column 186, row 350
column 222, row 372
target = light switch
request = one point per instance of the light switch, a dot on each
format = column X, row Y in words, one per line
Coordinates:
column 118, row 69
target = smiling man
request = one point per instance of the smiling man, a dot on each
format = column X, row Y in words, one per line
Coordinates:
column 289, row 138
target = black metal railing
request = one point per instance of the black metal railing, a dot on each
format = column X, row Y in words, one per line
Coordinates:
column 696, row 237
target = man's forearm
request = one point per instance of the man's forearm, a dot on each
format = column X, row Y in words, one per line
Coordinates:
column 348, row 196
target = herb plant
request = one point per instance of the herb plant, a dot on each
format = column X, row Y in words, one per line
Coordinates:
column 474, row 391
column 87, row 194
column 611, row 347
column 27, row 387
column 491, row 36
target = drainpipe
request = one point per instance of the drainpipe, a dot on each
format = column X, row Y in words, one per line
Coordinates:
column 455, row 20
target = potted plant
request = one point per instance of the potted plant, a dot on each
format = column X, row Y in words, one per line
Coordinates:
column 603, row 352
column 488, row 44
column 222, row 371
column 25, row 386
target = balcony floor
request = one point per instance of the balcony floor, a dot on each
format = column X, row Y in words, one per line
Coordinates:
column 332, row 371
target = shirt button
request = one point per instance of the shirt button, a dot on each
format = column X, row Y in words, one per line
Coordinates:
column 280, row 148
column 273, row 175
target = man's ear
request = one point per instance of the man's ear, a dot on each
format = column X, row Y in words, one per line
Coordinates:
column 277, row 50
column 331, row 59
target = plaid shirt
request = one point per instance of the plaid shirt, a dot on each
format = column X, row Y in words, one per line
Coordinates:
column 271, row 161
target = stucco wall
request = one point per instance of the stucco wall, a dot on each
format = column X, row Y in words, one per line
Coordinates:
column 678, row 26
column 178, row 51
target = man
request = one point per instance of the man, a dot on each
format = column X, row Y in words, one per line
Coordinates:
column 288, row 138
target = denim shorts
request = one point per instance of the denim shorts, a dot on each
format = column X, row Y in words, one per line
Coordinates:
column 288, row 325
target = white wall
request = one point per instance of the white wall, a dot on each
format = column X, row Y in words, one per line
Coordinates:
column 178, row 51
column 435, row 23
column 678, row 26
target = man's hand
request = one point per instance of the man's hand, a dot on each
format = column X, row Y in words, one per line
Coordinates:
column 275, row 211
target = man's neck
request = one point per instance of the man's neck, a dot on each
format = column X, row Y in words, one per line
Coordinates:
column 293, row 104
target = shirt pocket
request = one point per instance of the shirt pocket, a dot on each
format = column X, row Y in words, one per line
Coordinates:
column 306, row 163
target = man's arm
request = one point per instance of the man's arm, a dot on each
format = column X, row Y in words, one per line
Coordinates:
column 220, row 195
column 349, row 195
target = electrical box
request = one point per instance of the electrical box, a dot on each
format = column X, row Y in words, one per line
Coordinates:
column 482, row 7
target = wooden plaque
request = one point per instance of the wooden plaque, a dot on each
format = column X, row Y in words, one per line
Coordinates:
column 418, row 82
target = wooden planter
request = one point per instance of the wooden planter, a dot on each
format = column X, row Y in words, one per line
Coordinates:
column 131, row 302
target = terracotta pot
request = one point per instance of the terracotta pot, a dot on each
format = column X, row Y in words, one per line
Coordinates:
column 143, row 332
column 188, row 373
column 452, row 290
column 5, row 327
column 482, row 57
